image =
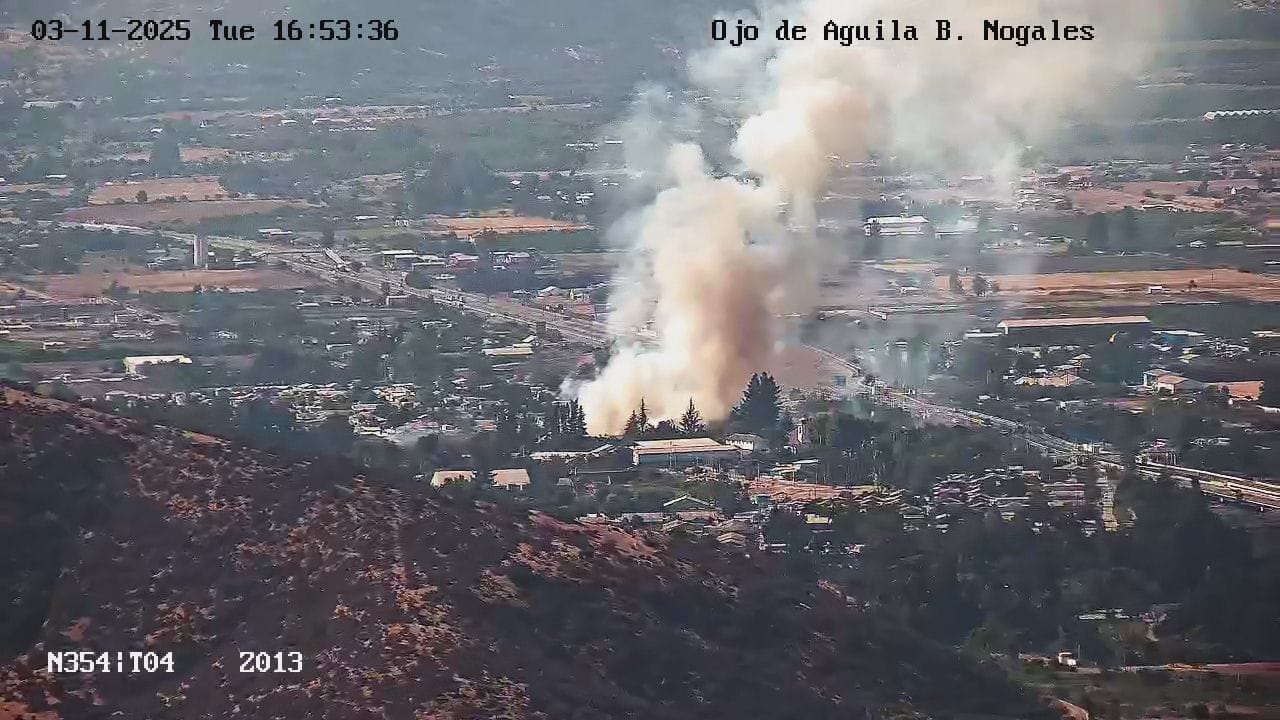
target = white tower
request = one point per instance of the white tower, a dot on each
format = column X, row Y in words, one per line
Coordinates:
column 200, row 252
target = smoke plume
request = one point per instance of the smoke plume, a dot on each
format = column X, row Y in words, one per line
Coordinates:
column 725, row 248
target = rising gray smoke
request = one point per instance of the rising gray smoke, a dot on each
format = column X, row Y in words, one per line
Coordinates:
column 715, row 260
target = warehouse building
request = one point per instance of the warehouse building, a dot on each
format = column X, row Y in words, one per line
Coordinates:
column 1072, row 330
column 391, row 258
column 914, row 226
column 682, row 451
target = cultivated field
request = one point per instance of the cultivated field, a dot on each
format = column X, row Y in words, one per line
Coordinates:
column 192, row 188
column 1106, row 285
column 95, row 284
column 173, row 214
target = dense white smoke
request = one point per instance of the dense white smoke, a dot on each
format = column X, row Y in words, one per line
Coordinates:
column 717, row 259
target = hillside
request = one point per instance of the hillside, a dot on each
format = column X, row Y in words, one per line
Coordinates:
column 118, row 536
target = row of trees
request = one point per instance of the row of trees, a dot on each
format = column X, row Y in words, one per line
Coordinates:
column 449, row 183
column 759, row 412
column 980, row 285
column 566, row 420
column 638, row 425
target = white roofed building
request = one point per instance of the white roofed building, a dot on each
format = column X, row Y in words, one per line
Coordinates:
column 682, row 451
column 134, row 363
column 894, row 226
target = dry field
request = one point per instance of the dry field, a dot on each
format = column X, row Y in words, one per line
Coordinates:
column 1096, row 200
column 795, row 491
column 205, row 154
column 176, row 213
column 10, row 290
column 189, row 155
column 801, row 367
column 909, row 267
column 1111, row 285
column 95, row 284
column 503, row 224
column 193, row 188
column 1133, row 195
column 18, row 189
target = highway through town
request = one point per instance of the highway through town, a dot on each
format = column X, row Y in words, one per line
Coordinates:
column 319, row 264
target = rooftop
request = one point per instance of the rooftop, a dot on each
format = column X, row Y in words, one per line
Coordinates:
column 1076, row 321
column 505, row 478
column 895, row 220
column 682, row 445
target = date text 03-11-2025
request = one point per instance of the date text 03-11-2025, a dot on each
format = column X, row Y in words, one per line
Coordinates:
column 138, row 29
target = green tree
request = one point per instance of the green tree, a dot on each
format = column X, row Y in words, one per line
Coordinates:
column 1098, row 233
column 761, row 406
column 575, row 419
column 984, row 224
column 980, row 285
column 116, row 290
column 1129, row 224
column 1270, row 396
column 334, row 435
column 166, row 155
column 508, row 430
column 553, row 421
column 691, row 421
column 638, row 423
column 449, row 183
column 483, row 472
column 13, row 371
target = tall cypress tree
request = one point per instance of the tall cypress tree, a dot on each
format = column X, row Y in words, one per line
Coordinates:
column 691, row 422
column 761, row 406
column 576, row 420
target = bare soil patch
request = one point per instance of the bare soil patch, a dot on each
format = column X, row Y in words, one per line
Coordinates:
column 96, row 284
column 21, row 188
column 191, row 188
column 503, row 224
column 1155, row 194
column 1226, row 281
column 176, row 213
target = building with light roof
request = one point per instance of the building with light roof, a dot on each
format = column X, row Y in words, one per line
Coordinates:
column 682, row 451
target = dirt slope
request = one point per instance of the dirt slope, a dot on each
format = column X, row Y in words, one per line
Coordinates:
column 116, row 536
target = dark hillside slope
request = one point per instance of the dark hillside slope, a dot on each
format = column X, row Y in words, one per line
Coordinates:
column 403, row 603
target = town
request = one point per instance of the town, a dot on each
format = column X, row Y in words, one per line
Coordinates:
column 1033, row 416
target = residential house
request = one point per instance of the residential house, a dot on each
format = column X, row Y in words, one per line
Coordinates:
column 748, row 442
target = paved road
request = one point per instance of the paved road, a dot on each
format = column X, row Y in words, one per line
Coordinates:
column 1263, row 495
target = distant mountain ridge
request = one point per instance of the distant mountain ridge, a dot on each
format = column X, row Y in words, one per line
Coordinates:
column 404, row 603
